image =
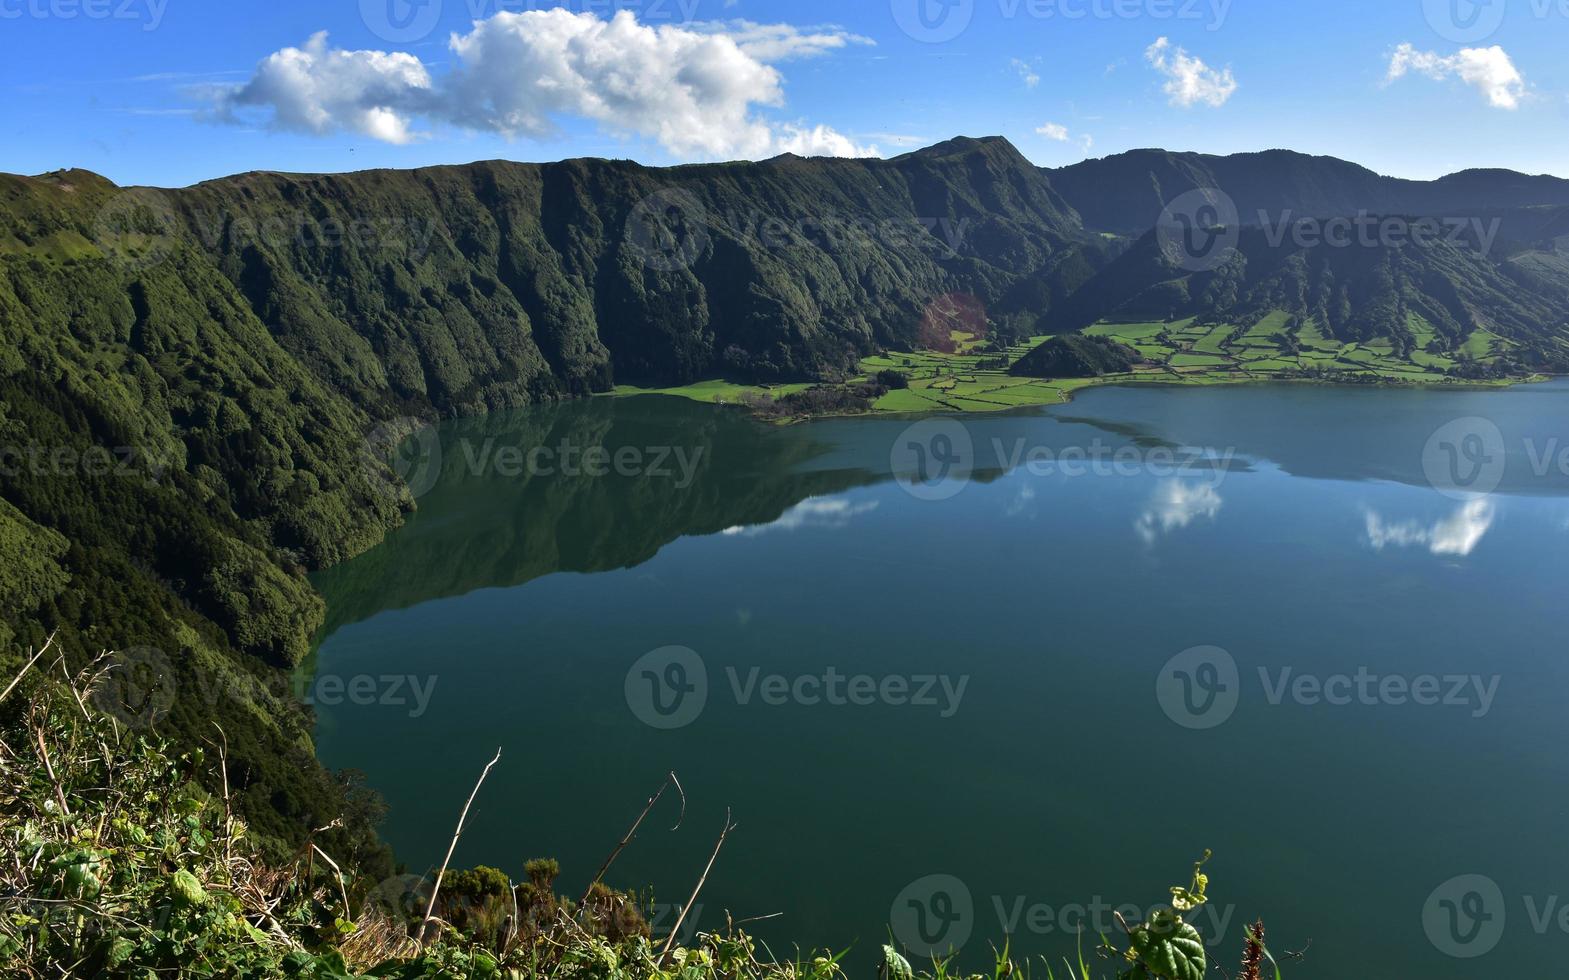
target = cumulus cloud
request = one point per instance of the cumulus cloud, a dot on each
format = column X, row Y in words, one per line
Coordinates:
column 1489, row 70
column 696, row 91
column 317, row 89
column 1189, row 80
column 1458, row 534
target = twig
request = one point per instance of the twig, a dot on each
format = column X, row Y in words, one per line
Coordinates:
column 512, row 934
column 43, row 753
column 18, row 679
column 676, row 929
column 70, row 685
column 671, row 778
column 228, row 811
column 339, row 872
column 430, row 909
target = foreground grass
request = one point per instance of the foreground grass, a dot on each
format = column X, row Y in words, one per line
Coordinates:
column 116, row 862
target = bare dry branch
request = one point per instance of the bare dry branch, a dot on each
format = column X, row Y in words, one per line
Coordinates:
column 670, row 778
column 676, row 929
column 26, row 667
column 430, row 909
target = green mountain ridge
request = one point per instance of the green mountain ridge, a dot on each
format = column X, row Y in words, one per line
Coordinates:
column 1125, row 193
column 195, row 384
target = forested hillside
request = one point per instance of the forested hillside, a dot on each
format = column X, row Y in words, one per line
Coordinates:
column 198, row 386
column 193, row 383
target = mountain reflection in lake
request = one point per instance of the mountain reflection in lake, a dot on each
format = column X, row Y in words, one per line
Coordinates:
column 1042, row 697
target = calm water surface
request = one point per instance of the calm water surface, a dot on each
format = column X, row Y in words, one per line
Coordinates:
column 1010, row 745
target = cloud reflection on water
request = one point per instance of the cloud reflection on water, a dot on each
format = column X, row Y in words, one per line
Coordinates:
column 819, row 512
column 1457, row 534
column 1174, row 505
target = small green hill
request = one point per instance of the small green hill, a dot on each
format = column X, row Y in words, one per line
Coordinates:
column 1076, row 356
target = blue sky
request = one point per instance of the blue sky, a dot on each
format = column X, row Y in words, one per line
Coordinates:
column 169, row 92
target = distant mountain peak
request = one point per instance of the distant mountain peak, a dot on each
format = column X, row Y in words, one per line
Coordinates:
column 960, row 145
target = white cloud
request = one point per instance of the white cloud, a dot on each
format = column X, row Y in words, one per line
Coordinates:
column 1027, row 74
column 782, row 42
column 696, row 91
column 1457, row 534
column 817, row 141
column 1060, row 134
column 1488, row 70
column 317, row 89
column 1175, row 505
column 1189, row 80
